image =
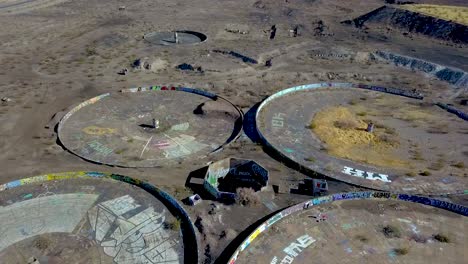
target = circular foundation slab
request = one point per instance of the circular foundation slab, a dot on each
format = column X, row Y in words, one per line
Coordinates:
column 178, row 37
column 358, row 228
column 414, row 147
column 147, row 127
column 90, row 217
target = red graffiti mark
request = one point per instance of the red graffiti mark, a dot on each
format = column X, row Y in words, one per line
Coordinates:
column 161, row 144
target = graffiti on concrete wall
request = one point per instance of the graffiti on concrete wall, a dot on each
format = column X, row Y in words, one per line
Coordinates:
column 188, row 231
column 459, row 209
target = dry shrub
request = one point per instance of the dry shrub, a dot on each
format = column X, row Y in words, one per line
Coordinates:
column 442, row 238
column 439, row 129
column 459, row 165
column 391, row 231
column 425, row 173
column 389, row 139
column 346, row 124
column 401, row 251
column 247, row 197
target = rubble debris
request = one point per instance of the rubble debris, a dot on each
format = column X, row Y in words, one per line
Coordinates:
column 121, row 8
column 268, row 63
column 259, row 5
column 320, row 217
column 6, row 99
column 237, row 29
column 213, row 209
column 123, row 71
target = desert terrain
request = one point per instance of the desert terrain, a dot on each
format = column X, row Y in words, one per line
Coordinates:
column 57, row 54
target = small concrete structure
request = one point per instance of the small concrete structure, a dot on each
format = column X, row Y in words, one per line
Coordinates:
column 194, row 199
column 224, row 177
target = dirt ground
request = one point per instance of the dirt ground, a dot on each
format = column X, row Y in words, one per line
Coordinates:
column 408, row 134
column 363, row 232
column 55, row 54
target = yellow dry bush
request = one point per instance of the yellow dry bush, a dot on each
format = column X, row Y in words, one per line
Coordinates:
column 458, row 14
column 346, row 137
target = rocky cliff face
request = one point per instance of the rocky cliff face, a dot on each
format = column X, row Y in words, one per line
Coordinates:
column 415, row 23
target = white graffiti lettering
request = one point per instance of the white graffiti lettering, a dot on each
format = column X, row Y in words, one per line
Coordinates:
column 294, row 249
column 277, row 120
column 365, row 174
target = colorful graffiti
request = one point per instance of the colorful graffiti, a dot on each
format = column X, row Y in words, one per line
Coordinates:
column 172, row 150
column 188, row 231
column 459, row 209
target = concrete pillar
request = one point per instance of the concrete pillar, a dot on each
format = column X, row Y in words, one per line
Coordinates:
column 155, row 123
column 370, row 127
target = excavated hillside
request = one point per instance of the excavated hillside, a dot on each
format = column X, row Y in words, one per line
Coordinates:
column 413, row 22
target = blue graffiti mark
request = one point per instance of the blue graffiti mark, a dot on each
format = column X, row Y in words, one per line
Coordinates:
column 13, row 184
column 95, row 174
column 27, row 196
column 288, row 150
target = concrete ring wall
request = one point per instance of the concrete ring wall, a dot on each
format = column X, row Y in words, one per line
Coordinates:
column 459, row 209
column 234, row 136
column 203, row 38
column 188, row 231
column 453, row 110
column 313, row 86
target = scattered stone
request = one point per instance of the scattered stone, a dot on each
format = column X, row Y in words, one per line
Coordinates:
column 6, row 99
column 121, row 8
column 33, row 260
column 268, row 63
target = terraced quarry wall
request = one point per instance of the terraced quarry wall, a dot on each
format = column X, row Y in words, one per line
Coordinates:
column 414, row 22
column 454, row 76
